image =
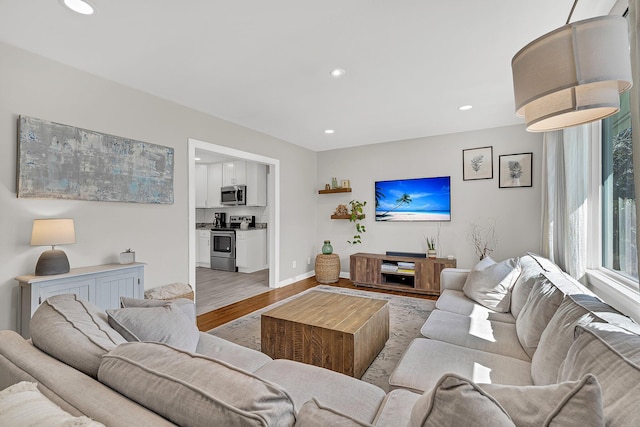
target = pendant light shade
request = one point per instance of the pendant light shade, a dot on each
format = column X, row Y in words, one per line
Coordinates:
column 573, row 75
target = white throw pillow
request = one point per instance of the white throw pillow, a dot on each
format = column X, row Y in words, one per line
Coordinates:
column 490, row 283
column 167, row 324
column 22, row 404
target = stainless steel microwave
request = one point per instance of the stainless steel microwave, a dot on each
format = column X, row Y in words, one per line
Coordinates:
column 233, row 195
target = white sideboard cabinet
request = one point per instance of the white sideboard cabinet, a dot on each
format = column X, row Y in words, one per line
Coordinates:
column 102, row 285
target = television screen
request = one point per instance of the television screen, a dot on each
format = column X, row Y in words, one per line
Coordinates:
column 420, row 199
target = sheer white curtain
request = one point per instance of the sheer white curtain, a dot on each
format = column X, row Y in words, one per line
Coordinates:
column 565, row 186
column 634, row 102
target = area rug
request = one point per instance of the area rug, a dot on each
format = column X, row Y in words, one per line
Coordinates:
column 406, row 317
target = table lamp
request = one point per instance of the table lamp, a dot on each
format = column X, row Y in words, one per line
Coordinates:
column 52, row 232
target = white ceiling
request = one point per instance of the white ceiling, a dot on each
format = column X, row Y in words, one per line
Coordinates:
column 265, row 64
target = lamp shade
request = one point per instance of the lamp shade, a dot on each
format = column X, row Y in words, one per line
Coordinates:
column 572, row 75
column 51, row 232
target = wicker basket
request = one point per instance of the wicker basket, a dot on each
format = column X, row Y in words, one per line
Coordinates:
column 327, row 268
column 171, row 291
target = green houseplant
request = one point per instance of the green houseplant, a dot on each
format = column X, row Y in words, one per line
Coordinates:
column 357, row 214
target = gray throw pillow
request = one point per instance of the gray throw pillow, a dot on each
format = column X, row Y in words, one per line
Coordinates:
column 193, row 390
column 571, row 403
column 456, row 401
column 542, row 303
column 489, row 283
column 166, row 324
column 187, row 306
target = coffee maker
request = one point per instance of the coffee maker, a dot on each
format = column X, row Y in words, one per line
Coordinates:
column 219, row 220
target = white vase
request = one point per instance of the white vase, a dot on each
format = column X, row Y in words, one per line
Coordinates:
column 431, row 253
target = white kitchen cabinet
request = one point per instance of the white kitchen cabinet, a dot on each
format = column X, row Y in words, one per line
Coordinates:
column 251, row 250
column 202, row 176
column 256, row 184
column 214, row 182
column 203, row 248
column 234, row 173
column 102, row 285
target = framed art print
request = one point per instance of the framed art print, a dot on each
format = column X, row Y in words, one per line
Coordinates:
column 515, row 170
column 477, row 163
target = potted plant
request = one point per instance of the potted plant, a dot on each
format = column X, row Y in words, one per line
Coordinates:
column 357, row 214
column 431, row 247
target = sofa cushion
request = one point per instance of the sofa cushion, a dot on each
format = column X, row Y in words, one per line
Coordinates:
column 457, row 302
column 187, row 306
column 470, row 332
column 612, row 354
column 313, row 414
column 22, row 405
column 193, row 390
column 542, row 303
column 241, row 357
column 531, row 266
column 333, row 390
column 73, row 331
column 396, row 408
column 489, row 283
column 557, row 337
column 167, row 324
column 425, row 361
column 571, row 403
column 455, row 401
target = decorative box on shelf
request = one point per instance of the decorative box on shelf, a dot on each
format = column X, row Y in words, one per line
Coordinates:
column 127, row 257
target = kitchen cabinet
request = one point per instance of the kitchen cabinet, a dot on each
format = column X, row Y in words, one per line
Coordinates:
column 234, row 173
column 251, row 250
column 251, row 174
column 102, row 285
column 203, row 248
column 208, row 183
column 214, row 182
column 202, row 175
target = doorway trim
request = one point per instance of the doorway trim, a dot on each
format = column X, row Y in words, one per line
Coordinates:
column 273, row 193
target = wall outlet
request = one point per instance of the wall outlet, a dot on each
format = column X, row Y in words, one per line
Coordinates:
column 308, row 260
column 294, row 264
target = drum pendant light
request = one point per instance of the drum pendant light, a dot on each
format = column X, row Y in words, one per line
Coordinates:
column 572, row 75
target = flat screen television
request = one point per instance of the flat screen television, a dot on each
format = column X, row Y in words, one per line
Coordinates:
column 419, row 199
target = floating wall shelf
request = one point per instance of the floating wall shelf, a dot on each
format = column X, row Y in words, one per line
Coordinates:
column 335, row 190
column 345, row 216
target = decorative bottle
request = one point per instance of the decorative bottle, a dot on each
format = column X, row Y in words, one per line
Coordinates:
column 327, row 249
column 334, row 182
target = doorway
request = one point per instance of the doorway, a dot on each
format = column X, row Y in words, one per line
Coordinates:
column 273, row 202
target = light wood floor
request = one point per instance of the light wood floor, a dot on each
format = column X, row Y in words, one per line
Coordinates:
column 217, row 288
column 212, row 319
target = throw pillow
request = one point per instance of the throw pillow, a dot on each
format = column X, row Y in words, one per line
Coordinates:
column 612, row 354
column 73, row 331
column 166, row 324
column 312, row 414
column 490, row 283
column 572, row 403
column 22, row 404
column 194, row 390
column 187, row 306
column 455, row 401
column 542, row 303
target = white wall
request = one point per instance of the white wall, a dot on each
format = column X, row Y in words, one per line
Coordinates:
column 34, row 86
column 516, row 210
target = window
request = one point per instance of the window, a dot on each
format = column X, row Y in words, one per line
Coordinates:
column 619, row 252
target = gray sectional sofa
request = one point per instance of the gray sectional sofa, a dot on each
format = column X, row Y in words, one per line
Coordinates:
column 510, row 343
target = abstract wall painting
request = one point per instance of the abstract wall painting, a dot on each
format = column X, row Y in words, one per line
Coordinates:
column 57, row 161
column 477, row 163
column 515, row 170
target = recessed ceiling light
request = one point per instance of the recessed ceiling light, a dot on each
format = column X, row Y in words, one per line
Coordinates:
column 197, row 158
column 465, row 107
column 337, row 72
column 329, row 131
column 79, row 6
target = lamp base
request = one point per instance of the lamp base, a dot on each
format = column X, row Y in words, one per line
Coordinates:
column 53, row 261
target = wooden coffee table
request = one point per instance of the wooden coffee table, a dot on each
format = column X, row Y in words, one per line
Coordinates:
column 343, row 333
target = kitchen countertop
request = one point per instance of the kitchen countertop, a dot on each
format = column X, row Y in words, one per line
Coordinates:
column 208, row 226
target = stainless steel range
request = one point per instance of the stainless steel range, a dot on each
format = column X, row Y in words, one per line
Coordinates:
column 223, row 243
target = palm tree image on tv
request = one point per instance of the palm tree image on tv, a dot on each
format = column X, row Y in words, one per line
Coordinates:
column 420, row 199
